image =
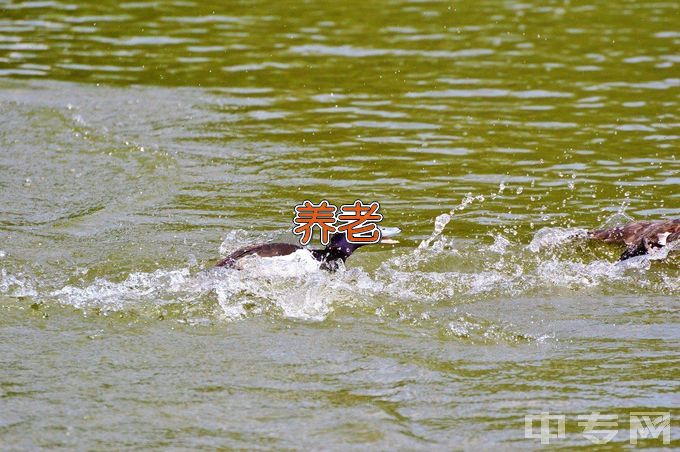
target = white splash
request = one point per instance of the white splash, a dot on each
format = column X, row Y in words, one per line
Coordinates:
column 295, row 287
column 442, row 220
column 553, row 237
column 16, row 286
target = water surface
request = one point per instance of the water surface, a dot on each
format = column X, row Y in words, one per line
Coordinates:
column 141, row 141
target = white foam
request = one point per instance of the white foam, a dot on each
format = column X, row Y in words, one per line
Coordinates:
column 16, row 286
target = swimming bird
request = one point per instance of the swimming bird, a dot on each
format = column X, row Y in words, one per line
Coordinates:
column 338, row 249
column 640, row 237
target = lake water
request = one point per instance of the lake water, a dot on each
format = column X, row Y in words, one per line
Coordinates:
column 141, row 141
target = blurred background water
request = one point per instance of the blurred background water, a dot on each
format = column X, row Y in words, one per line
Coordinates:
column 140, row 141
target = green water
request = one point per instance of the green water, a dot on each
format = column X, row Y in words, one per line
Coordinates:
column 140, row 141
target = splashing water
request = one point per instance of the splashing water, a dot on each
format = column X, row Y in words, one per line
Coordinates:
column 553, row 237
column 402, row 285
column 16, row 286
column 442, row 220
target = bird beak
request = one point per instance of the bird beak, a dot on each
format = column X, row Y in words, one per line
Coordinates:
column 387, row 234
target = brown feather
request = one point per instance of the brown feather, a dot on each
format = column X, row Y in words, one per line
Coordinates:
column 641, row 236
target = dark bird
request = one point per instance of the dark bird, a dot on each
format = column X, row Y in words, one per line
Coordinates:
column 640, row 237
column 338, row 249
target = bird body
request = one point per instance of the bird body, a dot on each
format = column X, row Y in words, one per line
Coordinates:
column 339, row 249
column 640, row 237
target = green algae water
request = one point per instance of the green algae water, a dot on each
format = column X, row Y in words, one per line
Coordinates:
column 140, row 141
